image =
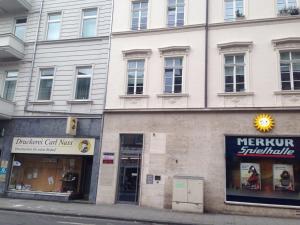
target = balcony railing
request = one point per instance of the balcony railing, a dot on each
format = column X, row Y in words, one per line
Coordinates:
column 14, row 6
column 6, row 109
column 11, row 47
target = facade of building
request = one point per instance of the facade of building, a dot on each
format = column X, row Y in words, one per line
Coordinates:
column 53, row 66
column 186, row 80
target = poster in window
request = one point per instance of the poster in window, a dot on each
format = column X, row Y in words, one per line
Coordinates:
column 250, row 176
column 283, row 177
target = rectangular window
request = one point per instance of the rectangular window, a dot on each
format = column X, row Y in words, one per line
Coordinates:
column 10, row 85
column 173, row 75
column 286, row 4
column 139, row 15
column 54, row 24
column 234, row 9
column 290, row 70
column 175, row 13
column 234, row 72
column 83, row 82
column 135, row 72
column 20, row 28
column 46, row 81
column 89, row 23
column 263, row 170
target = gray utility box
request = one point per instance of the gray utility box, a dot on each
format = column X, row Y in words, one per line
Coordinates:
column 188, row 194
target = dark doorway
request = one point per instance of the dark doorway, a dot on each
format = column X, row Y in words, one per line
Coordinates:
column 131, row 148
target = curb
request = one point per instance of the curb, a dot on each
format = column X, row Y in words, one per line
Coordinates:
column 98, row 217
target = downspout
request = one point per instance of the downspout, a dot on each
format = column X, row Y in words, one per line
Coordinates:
column 33, row 56
column 105, row 91
column 206, row 57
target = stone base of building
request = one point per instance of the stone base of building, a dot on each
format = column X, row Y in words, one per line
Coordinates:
column 191, row 144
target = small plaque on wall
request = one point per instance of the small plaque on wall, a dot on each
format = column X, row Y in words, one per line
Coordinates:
column 149, row 179
column 108, row 158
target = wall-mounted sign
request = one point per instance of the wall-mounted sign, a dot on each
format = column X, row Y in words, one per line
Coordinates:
column 266, row 147
column 108, row 158
column 264, row 123
column 54, row 146
column 71, row 128
column 149, row 179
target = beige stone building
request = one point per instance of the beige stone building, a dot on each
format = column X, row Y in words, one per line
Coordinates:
column 185, row 82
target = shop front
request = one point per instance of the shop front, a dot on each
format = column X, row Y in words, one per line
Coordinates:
column 263, row 170
column 51, row 166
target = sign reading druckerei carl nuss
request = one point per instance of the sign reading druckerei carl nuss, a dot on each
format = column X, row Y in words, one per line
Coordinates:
column 54, row 146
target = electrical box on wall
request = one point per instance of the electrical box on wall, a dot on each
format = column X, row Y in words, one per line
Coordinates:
column 71, row 128
column 188, row 194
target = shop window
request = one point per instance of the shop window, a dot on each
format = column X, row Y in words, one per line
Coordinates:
column 46, row 174
column 263, row 170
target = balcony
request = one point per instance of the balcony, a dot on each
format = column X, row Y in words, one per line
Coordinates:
column 11, row 48
column 6, row 109
column 14, row 6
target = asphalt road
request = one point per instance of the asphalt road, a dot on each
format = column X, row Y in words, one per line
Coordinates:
column 19, row 218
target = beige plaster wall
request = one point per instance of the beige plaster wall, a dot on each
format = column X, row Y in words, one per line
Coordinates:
column 190, row 144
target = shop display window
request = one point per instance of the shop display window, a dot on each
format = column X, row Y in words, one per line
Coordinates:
column 46, row 173
column 263, row 170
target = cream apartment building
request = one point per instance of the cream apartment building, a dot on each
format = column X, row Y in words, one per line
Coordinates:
column 53, row 66
column 186, row 80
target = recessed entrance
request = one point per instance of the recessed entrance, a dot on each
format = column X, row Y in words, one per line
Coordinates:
column 131, row 148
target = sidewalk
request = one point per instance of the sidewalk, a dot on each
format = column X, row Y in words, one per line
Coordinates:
column 136, row 213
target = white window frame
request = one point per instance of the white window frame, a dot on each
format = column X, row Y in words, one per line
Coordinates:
column 235, row 65
column 174, row 67
column 140, row 14
column 83, row 76
column 10, row 79
column 286, row 4
column 176, row 19
column 21, row 25
column 53, row 21
column 290, row 62
column 135, row 76
column 89, row 17
column 234, row 10
column 46, row 78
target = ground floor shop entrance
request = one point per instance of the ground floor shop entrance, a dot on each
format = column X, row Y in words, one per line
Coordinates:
column 131, row 147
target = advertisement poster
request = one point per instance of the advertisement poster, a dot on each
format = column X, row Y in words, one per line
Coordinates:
column 250, row 176
column 283, row 177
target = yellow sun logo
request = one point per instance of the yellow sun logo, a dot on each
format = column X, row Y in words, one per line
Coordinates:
column 264, row 123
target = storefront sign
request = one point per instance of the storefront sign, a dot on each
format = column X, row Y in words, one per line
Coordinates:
column 263, row 170
column 3, row 170
column 54, row 146
column 269, row 147
column 108, row 158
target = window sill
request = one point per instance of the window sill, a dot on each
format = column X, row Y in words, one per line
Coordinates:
column 42, row 103
column 79, row 102
column 236, row 94
column 134, row 96
column 172, row 95
column 287, row 92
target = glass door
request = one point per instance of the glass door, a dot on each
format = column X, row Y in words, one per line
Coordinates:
column 130, row 168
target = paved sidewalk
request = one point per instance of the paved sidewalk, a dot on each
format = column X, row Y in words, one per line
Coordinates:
column 136, row 213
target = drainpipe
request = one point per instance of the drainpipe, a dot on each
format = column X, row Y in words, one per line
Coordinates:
column 34, row 55
column 206, row 57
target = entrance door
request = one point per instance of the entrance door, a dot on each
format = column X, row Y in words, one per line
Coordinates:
column 130, row 168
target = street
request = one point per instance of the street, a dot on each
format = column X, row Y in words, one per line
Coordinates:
column 18, row 218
